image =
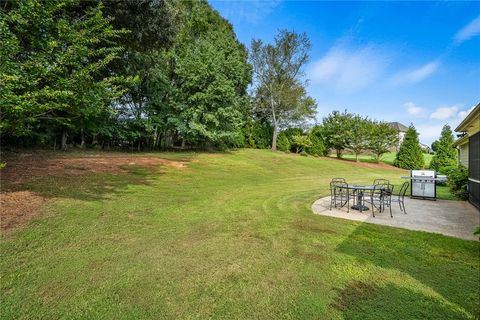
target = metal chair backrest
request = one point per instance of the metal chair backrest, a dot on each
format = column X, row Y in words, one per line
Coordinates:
column 403, row 189
column 388, row 189
column 339, row 180
column 381, row 181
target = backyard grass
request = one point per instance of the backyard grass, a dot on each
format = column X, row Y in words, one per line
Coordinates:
column 229, row 236
column 386, row 158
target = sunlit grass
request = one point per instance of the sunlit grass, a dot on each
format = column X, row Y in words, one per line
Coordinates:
column 230, row 236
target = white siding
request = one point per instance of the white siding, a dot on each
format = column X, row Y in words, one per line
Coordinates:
column 463, row 155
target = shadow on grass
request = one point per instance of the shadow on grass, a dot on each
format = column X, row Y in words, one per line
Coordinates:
column 362, row 301
column 449, row 266
column 89, row 185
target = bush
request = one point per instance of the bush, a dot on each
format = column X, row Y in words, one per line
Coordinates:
column 318, row 146
column 457, row 180
column 301, row 143
column 410, row 155
column 283, row 144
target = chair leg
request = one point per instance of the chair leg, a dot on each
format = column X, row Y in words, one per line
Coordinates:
column 390, row 206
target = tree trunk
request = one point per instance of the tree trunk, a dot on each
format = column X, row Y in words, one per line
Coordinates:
column 274, row 139
column 339, row 153
column 82, row 136
column 64, row 140
column 356, row 157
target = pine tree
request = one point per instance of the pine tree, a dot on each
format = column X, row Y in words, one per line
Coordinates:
column 410, row 155
column 446, row 154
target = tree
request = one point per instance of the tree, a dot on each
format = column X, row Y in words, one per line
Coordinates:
column 337, row 130
column 359, row 138
column 381, row 138
column 52, row 61
column 410, row 155
column 318, row 146
column 434, row 145
column 445, row 155
column 279, row 87
column 301, row 143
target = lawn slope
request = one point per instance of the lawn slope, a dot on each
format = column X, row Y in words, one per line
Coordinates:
column 228, row 236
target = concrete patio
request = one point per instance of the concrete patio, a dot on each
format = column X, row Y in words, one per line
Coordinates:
column 452, row 218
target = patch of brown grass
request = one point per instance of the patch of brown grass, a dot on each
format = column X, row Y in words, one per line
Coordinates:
column 352, row 293
column 17, row 208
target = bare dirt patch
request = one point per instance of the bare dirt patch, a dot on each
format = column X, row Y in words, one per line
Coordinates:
column 17, row 208
column 25, row 167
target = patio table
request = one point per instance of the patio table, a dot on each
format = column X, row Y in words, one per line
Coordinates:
column 359, row 190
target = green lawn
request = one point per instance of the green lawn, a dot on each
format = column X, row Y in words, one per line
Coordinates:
column 387, row 158
column 230, row 236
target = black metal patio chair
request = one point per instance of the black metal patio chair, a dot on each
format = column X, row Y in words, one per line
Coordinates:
column 400, row 197
column 380, row 181
column 387, row 197
column 339, row 195
column 376, row 197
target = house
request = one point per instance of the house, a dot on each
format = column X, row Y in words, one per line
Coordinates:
column 468, row 146
column 401, row 129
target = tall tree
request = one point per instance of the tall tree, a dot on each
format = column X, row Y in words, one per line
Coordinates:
column 410, row 155
column 337, row 130
column 446, row 155
column 278, row 79
column 52, row 62
column 358, row 141
column 381, row 138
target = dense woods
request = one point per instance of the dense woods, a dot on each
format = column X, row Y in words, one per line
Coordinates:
column 114, row 74
column 150, row 74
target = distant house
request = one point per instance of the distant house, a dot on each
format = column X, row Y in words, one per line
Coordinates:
column 468, row 146
column 401, row 129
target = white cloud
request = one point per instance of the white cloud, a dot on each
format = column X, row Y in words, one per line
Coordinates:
column 416, row 75
column 469, row 31
column 412, row 109
column 346, row 69
column 464, row 113
column 429, row 132
column 444, row 113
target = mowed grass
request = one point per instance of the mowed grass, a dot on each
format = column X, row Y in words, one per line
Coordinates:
column 230, row 236
column 386, row 158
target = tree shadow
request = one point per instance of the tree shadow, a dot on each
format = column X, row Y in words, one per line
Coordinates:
column 88, row 186
column 360, row 300
column 448, row 265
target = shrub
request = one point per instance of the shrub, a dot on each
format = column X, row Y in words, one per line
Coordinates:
column 301, row 143
column 283, row 144
column 457, row 180
column 445, row 155
column 410, row 155
column 318, row 146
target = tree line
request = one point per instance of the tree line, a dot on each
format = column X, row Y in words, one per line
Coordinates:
column 160, row 74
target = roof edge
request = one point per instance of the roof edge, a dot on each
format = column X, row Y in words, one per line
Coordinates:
column 468, row 118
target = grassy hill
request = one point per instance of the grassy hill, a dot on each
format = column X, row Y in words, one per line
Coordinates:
column 227, row 236
column 386, row 158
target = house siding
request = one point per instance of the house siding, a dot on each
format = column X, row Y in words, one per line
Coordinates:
column 463, row 155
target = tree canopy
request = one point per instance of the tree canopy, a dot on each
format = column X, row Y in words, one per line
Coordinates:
column 410, row 154
column 445, row 154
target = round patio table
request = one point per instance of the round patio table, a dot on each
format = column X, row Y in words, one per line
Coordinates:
column 359, row 190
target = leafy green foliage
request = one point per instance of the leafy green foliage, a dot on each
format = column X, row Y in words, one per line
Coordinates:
column 316, row 137
column 301, row 143
column 337, row 128
column 358, row 140
column 283, row 143
column 279, row 84
column 381, row 138
column 457, row 181
column 410, row 155
column 52, row 59
column 446, row 155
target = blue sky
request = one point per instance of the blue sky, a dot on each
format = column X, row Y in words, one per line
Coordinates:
column 412, row 62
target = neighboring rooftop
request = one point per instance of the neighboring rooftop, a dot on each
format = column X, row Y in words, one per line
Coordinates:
column 398, row 126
